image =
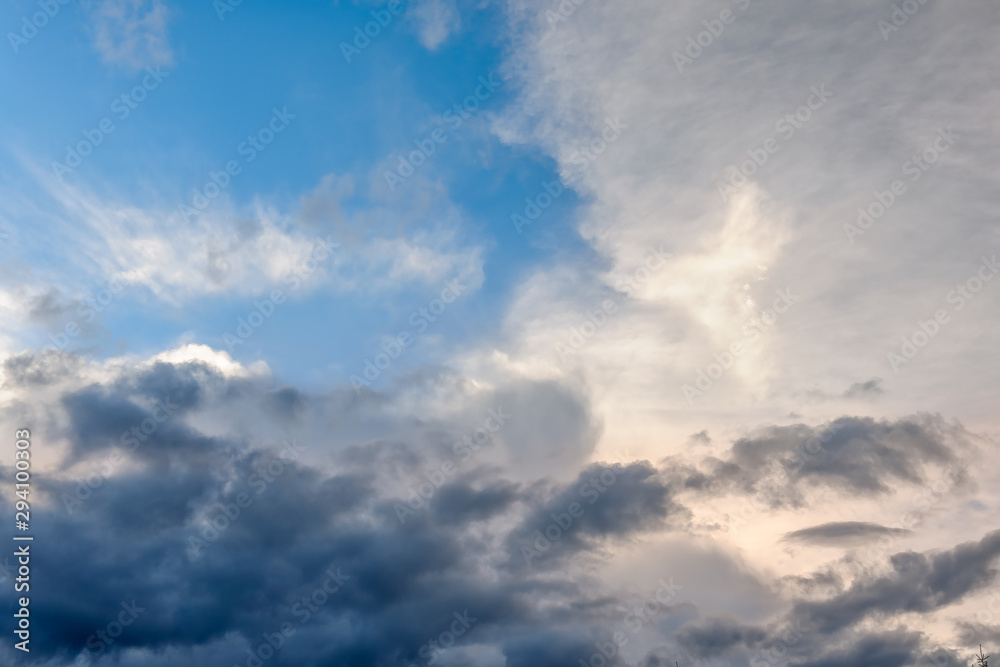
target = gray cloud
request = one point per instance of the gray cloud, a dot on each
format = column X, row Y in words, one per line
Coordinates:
column 867, row 389
column 22, row 371
column 143, row 533
column 883, row 650
column 604, row 502
column 843, row 532
column 859, row 454
column 976, row 634
column 917, row 583
column 715, row 636
column 49, row 308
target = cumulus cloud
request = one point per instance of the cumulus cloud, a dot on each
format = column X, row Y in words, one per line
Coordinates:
column 214, row 499
column 162, row 477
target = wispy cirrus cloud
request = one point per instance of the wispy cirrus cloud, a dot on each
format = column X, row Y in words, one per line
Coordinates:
column 131, row 33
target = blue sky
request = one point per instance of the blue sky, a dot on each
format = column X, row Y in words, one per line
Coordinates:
column 220, row 83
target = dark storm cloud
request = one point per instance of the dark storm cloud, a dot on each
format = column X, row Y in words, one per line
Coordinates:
column 141, row 537
column 974, row 634
column 460, row 502
column 552, row 649
column 657, row 661
column 101, row 419
column 895, row 649
column 827, row 632
column 715, row 636
column 862, row 455
column 843, row 532
column 217, row 541
column 918, row 583
column 184, row 384
column 142, row 504
column 286, row 403
column 605, row 501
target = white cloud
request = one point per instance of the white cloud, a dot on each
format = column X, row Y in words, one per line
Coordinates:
column 218, row 360
column 131, row 33
column 248, row 251
column 657, row 185
column 436, row 20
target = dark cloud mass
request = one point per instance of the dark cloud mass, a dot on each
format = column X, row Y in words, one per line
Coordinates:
column 715, row 636
column 862, row 455
column 917, row 583
column 218, row 538
column 844, row 531
column 886, row 650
